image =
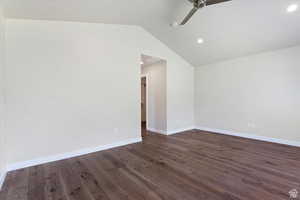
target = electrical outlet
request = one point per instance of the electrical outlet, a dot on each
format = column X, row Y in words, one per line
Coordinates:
column 251, row 125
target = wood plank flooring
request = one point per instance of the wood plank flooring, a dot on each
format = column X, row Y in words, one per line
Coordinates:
column 193, row 165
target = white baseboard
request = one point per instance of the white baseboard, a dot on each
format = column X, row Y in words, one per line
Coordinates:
column 171, row 132
column 250, row 136
column 157, row 131
column 2, row 178
column 180, row 130
column 39, row 161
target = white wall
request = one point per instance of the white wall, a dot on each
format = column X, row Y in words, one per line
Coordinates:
column 157, row 96
column 259, row 95
column 70, row 85
column 2, row 136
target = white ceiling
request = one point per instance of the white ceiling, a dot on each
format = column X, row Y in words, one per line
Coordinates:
column 231, row 29
column 149, row 60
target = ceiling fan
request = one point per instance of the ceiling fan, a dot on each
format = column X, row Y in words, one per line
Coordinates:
column 198, row 4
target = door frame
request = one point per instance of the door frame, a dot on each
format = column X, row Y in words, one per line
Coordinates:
column 147, row 98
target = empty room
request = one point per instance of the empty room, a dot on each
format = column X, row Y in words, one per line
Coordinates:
column 150, row 100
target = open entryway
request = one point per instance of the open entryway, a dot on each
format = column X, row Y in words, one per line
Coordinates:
column 153, row 95
column 144, row 104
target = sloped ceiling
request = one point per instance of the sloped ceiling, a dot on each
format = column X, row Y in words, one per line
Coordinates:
column 232, row 29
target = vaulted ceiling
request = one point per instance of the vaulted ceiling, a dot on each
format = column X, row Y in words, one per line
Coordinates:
column 232, row 29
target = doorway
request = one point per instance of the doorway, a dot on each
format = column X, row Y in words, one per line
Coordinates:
column 144, row 105
column 153, row 95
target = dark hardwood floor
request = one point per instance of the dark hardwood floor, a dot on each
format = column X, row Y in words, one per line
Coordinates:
column 193, row 165
column 144, row 129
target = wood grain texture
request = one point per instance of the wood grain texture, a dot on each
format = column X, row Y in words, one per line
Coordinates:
column 188, row 166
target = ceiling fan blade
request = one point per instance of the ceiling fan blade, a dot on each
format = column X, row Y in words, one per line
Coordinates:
column 211, row 2
column 188, row 17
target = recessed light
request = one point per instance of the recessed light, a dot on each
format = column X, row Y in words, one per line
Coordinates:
column 200, row 40
column 141, row 62
column 292, row 8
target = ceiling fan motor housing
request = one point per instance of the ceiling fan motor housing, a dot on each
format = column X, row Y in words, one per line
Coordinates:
column 200, row 3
